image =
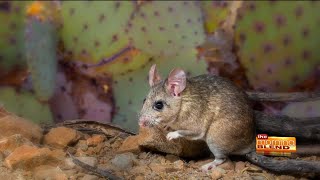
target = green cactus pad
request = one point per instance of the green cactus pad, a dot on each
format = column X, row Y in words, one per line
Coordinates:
column 130, row 89
column 278, row 42
column 94, row 30
column 215, row 13
column 12, row 14
column 41, row 56
column 25, row 104
column 163, row 28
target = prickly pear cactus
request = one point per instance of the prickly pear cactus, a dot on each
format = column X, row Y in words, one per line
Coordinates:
column 41, row 52
column 302, row 109
column 215, row 13
column 163, row 28
column 131, row 88
column 12, row 14
column 94, row 31
column 24, row 104
column 278, row 42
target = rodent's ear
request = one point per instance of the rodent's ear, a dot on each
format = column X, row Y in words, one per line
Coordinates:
column 176, row 82
column 154, row 77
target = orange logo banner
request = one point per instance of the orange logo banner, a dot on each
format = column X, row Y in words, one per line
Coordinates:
column 275, row 146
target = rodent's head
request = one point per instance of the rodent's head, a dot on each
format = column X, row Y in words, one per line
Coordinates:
column 163, row 101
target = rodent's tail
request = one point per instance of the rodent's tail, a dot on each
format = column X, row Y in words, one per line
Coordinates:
column 295, row 96
column 281, row 125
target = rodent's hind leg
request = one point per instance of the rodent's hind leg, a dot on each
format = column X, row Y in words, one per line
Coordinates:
column 219, row 155
column 213, row 164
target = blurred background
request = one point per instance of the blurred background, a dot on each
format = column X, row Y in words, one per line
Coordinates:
column 90, row 59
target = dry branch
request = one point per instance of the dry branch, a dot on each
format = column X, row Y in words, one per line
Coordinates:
column 301, row 128
column 289, row 166
column 295, row 96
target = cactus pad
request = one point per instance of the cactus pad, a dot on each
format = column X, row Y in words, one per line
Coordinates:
column 163, row 28
column 12, row 15
column 215, row 13
column 24, row 104
column 278, row 42
column 41, row 56
column 94, row 30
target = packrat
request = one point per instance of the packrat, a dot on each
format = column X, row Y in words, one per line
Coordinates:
column 205, row 107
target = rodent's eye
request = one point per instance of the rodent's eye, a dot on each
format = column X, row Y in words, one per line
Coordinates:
column 158, row 105
column 144, row 100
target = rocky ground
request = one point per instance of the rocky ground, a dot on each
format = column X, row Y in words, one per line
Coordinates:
column 28, row 151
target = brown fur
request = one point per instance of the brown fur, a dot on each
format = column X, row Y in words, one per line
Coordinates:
column 212, row 107
column 231, row 126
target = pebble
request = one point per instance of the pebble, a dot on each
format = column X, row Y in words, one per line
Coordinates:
column 95, row 140
column 82, row 144
column 123, row 161
column 228, row 165
column 9, row 144
column 11, row 125
column 179, row 164
column 89, row 177
column 92, row 161
column 131, row 144
column 28, row 157
column 216, row 174
column 45, row 171
column 239, row 166
column 61, row 137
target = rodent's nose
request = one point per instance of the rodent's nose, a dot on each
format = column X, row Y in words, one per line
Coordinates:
column 143, row 122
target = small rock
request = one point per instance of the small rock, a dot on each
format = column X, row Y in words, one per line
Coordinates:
column 11, row 125
column 89, row 177
column 220, row 169
column 228, row 165
column 70, row 172
column 61, row 137
column 216, row 174
column 9, row 144
column 160, row 168
column 131, row 144
column 172, row 158
column 58, row 154
column 239, row 166
column 123, row 161
column 45, row 171
column 68, row 164
column 258, row 177
column 80, row 153
column 98, row 148
column 179, row 164
column 143, row 169
column 95, row 140
column 91, row 151
column 1, row 157
column 139, row 178
column 27, row 157
column 143, row 155
column 92, row 161
column 82, row 144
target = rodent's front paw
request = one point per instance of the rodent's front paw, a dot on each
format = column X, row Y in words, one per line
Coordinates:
column 173, row 135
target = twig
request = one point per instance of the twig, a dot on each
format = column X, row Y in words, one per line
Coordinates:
column 284, row 166
column 97, row 171
column 294, row 96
